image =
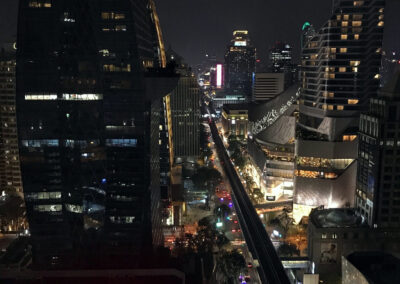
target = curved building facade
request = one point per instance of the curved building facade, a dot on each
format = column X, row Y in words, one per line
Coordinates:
column 340, row 72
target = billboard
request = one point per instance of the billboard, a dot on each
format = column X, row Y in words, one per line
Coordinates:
column 328, row 253
column 219, row 76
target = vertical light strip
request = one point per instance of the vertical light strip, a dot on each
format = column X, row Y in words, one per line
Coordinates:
column 219, row 76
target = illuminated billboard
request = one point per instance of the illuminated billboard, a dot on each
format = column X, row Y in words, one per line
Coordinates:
column 219, row 76
column 241, row 43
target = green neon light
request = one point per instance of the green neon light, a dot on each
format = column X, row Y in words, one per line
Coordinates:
column 306, row 24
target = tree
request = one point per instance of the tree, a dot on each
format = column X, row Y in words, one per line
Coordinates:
column 230, row 264
column 205, row 177
column 283, row 221
column 287, row 249
column 222, row 211
column 258, row 195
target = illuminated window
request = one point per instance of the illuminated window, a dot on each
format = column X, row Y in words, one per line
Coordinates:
column 356, row 36
column 40, row 4
column 331, row 94
column 377, row 76
column 121, row 142
column 349, row 137
column 342, row 69
column 40, row 143
column 324, row 106
column 119, row 28
column 338, row 17
column 357, row 23
column 343, row 49
column 345, row 24
column 40, row 97
column 330, row 107
column 122, row 219
column 48, row 208
column 115, row 68
column 343, row 37
column 324, row 235
column 74, row 208
column 82, row 97
column 325, row 94
column 339, row 107
column 355, row 63
column 333, row 50
column 352, row 101
column 346, row 17
column 358, row 3
column 112, row 16
column 43, row 195
column 381, row 24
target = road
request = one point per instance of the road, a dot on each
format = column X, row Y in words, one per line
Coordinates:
column 270, row 268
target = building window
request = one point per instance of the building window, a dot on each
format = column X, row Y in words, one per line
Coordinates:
column 345, row 24
column 355, row 63
column 121, row 142
column 115, row 68
column 40, row 97
column 358, row 3
column 340, row 107
column 343, row 37
column 40, row 4
column 349, row 137
column 324, row 235
column 112, row 16
column 356, row 36
column 342, row 69
column 343, row 49
column 40, row 143
column 352, row 101
column 48, row 208
column 357, row 23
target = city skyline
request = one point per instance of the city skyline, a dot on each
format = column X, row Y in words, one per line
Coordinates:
column 207, row 26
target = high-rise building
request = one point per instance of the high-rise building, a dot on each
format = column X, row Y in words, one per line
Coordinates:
column 10, row 174
column 378, row 188
column 308, row 32
column 340, row 72
column 280, row 56
column 240, row 60
column 89, row 89
column 266, row 86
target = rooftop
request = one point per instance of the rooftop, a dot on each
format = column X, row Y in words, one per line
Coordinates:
column 336, row 218
column 377, row 267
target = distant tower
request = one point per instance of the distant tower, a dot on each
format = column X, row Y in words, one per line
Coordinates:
column 240, row 60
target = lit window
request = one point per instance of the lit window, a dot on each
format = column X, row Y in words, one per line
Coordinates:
column 343, row 49
column 352, row 102
column 324, row 235
column 377, row 76
column 331, row 94
column 357, row 23
column 48, row 208
column 339, row 107
column 330, row 107
column 354, row 63
column 356, row 36
column 381, row 24
column 342, row 69
column 40, row 4
column 333, row 50
column 40, row 143
column 346, row 17
column 82, row 97
column 121, row 142
column 343, row 37
column 74, row 208
column 115, row 68
column 345, row 24
column 358, row 3
column 40, row 97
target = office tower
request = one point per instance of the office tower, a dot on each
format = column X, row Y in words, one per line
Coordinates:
column 390, row 61
column 185, row 109
column 10, row 174
column 340, row 72
column 240, row 64
column 266, row 86
column 378, row 186
column 89, row 89
column 280, row 57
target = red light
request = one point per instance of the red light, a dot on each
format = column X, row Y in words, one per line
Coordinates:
column 235, row 221
column 258, row 60
column 233, row 230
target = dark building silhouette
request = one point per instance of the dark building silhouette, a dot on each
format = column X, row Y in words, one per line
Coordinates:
column 240, row 60
column 89, row 92
column 378, row 191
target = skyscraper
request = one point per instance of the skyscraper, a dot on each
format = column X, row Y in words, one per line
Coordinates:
column 280, row 57
column 88, row 109
column 240, row 60
column 340, row 72
column 10, row 174
column 378, row 187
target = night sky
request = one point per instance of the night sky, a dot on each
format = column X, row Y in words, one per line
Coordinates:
column 196, row 27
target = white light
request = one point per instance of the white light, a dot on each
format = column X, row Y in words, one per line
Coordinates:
column 219, row 75
column 276, row 233
column 219, row 224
